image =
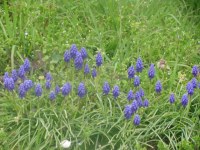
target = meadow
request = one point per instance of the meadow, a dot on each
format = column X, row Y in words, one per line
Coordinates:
column 102, row 74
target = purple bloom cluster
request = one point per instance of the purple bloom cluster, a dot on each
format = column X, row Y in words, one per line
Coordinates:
column 195, row 70
column 81, row 90
column 57, row 89
column 9, row 83
column 99, row 59
column 66, row 89
column 21, row 72
column 94, row 73
column 87, row 69
column 27, row 65
column 52, row 95
column 28, row 84
column 78, row 62
column 136, row 120
column 128, row 112
column 172, row 98
column 139, row 65
column 146, row 103
column 73, row 51
column 136, row 81
column 130, row 95
column 38, row 90
column 14, row 75
column 21, row 91
column 83, row 53
column 67, row 56
column 184, row 100
column 190, row 88
column 158, row 87
column 151, row 72
column 131, row 72
column 116, row 91
column 106, row 88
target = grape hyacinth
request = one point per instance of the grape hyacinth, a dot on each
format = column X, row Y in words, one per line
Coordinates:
column 83, row 53
column 116, row 91
column 81, row 90
column 66, row 89
column 130, row 95
column 28, row 84
column 139, row 102
column 190, row 88
column 136, row 120
column 14, row 75
column 38, row 90
column 78, row 62
column 57, row 89
column 27, row 65
column 48, row 84
column 194, row 82
column 141, row 91
column 158, row 87
column 99, row 59
column 106, row 88
column 134, row 106
column 136, row 81
column 21, row 72
column 21, row 91
column 151, row 72
column 67, row 56
column 137, row 95
column 195, row 70
column 48, row 76
column 172, row 98
column 127, row 112
column 52, row 95
column 146, row 103
column 6, row 75
column 184, row 100
column 131, row 72
column 9, row 84
column 94, row 73
column 139, row 65
column 73, row 51
column 86, row 69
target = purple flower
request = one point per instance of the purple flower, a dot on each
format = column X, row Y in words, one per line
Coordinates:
column 81, row 90
column 151, row 72
column 127, row 112
column 86, row 69
column 172, row 98
column 14, row 75
column 48, row 84
column 136, row 120
column 27, row 65
column 116, row 91
column 137, row 95
column 158, row 87
column 194, row 82
column 66, row 89
column 131, row 72
column 195, row 70
column 28, row 84
column 190, row 88
column 83, row 53
column 6, row 75
column 38, row 90
column 99, row 59
column 48, row 76
column 139, row 102
column 21, row 91
column 146, row 103
column 136, row 81
column 52, row 95
column 67, row 56
column 21, row 72
column 141, row 91
column 9, row 84
column 184, row 100
column 94, row 73
column 73, row 51
column 139, row 65
column 57, row 89
column 78, row 62
column 130, row 95
column 106, row 88
column 134, row 106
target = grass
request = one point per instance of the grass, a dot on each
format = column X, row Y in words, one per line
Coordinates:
column 122, row 31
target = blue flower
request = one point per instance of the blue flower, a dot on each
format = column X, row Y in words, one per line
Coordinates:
column 57, row 89
column 190, row 88
column 67, row 56
column 195, row 70
column 137, row 95
column 6, row 75
column 146, row 103
column 106, row 88
column 14, row 75
column 86, row 69
column 99, row 59
column 26, row 65
column 83, row 53
column 151, row 72
column 52, row 95
column 127, row 112
column 172, row 98
column 48, row 76
column 136, row 120
column 194, row 82
column 116, row 91
column 48, row 84
column 21, row 72
column 136, row 81
column 73, row 51
column 184, row 100
column 78, row 62
column 134, row 106
column 66, row 89
column 131, row 72
column 141, row 91
column 158, row 87
column 94, row 73
column 38, row 90
column 9, row 84
column 21, row 91
column 81, row 90
column 139, row 65
column 139, row 102
column 130, row 95
column 28, row 84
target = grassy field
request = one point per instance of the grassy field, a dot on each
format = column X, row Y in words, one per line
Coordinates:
column 165, row 33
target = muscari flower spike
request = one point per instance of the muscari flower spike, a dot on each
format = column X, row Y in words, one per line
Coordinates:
column 67, row 56
column 131, row 72
column 184, row 100
column 127, row 112
column 28, row 84
column 151, row 72
column 141, row 91
column 106, row 88
column 81, row 90
column 94, row 73
column 83, row 53
column 137, row 95
column 130, row 95
column 78, row 62
column 48, row 76
column 139, row 65
column 6, row 75
column 38, row 90
column 86, row 69
column 158, row 87
column 9, row 84
column 194, row 82
column 139, row 102
column 14, row 75
column 99, row 59
column 21, row 72
column 136, row 120
column 52, row 95
column 195, row 70
column 146, row 103
column 136, row 81
column 172, row 98
column 27, row 65
column 57, row 89
column 66, row 89
column 48, row 84
column 73, row 51
column 21, row 91
column 189, row 88
column 116, row 91
column 134, row 106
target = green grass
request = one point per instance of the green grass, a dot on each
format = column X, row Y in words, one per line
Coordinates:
column 122, row 30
